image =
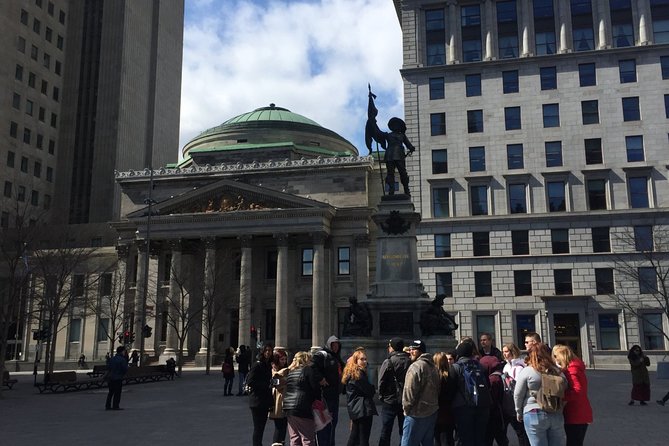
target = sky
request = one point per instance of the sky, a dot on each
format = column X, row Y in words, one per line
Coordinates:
column 313, row 57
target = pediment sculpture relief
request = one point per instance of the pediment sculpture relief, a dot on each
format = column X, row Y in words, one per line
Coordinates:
column 225, row 203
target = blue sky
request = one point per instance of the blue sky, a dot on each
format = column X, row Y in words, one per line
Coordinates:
column 313, row 57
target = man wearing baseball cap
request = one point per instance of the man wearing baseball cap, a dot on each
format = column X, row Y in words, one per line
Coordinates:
column 391, row 384
column 420, row 397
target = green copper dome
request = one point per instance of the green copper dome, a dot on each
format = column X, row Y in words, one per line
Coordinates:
column 261, row 132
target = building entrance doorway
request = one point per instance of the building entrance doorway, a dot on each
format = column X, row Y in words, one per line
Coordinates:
column 568, row 331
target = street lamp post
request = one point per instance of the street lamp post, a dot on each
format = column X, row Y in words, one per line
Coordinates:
column 149, row 201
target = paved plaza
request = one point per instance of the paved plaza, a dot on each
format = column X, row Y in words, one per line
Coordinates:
column 193, row 411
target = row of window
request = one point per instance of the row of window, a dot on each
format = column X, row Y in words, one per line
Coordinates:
column 27, row 136
column 37, row 166
column 560, row 241
column 548, row 78
column 50, row 9
column 562, row 282
column 21, row 195
column 640, row 190
column 621, row 32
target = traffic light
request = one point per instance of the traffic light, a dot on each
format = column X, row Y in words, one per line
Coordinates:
column 132, row 338
column 126, row 337
column 146, row 331
column 254, row 333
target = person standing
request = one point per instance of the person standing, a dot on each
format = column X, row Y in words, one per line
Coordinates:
column 445, row 424
column 329, row 367
column 243, row 363
column 639, row 363
column 577, row 412
column 496, row 429
column 543, row 428
column 391, row 384
column 134, row 358
column 279, row 373
column 228, row 369
column 488, row 348
column 420, row 397
column 359, row 399
column 514, row 364
column 259, row 381
column 302, row 389
column 118, row 367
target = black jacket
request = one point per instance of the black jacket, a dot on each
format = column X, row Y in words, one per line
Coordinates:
column 360, row 398
column 260, row 380
column 301, row 390
column 393, row 369
column 329, row 365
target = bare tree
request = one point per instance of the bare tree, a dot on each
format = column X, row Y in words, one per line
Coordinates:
column 642, row 271
column 212, row 302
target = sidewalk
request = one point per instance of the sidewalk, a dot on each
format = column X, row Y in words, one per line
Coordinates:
column 192, row 410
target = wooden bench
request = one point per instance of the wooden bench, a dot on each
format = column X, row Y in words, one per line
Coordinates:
column 67, row 382
column 149, row 373
column 7, row 381
column 98, row 370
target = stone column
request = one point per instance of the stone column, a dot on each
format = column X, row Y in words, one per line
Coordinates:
column 564, row 19
column 209, row 289
column 602, row 17
column 526, row 14
column 361, row 265
column 152, row 296
column 643, row 14
column 281, row 333
column 453, row 34
column 140, row 292
column 245, row 282
column 318, row 310
column 489, row 26
column 171, row 341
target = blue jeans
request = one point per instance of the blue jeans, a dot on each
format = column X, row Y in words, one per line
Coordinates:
column 388, row 414
column 418, row 430
column 544, row 429
column 326, row 436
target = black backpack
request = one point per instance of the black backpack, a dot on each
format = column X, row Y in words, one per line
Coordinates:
column 476, row 385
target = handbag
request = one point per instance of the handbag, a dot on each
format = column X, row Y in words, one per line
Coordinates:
column 322, row 416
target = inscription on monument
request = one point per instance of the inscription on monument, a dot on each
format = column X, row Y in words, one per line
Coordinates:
column 395, row 261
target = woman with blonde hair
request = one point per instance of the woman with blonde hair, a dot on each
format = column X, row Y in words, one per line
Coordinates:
column 301, row 390
column 445, row 425
column 279, row 373
column 577, row 412
column 359, row 398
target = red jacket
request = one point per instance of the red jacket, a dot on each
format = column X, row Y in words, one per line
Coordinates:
column 578, row 409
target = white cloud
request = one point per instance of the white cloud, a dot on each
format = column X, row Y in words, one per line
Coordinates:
column 312, row 57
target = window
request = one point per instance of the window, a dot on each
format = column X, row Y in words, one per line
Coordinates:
column 307, row 262
column 48, row 34
column 24, row 17
column 56, row 94
column 50, row 8
column 439, row 161
column 647, row 280
column 18, row 73
column 666, row 106
column 59, row 42
column 512, row 118
column 634, row 145
column 525, row 324
column 596, row 189
column 61, row 17
column 473, row 85
column 271, row 257
column 582, row 31
column 34, row 52
column 643, row 238
column 435, row 36
column 436, row 88
column 653, row 338
column 477, row 159
column 103, row 330
column 49, row 174
column 437, row 124
column 75, row 330
column 664, row 66
column 37, row 169
column 41, row 116
column 622, row 27
column 601, row 239
column 46, row 60
column 604, row 281
column 269, row 329
column 52, row 146
column 520, row 242
column 551, row 115
column 440, row 202
column 16, row 101
column 557, row 198
column 474, row 121
column 29, row 107
column 37, row 26
column 21, row 194
column 562, row 279
column 481, row 243
column 47, row 203
column 21, row 44
column 34, row 198
column 638, row 192
column 4, row 220
column 548, row 77
column 13, row 129
column 442, row 245
column 470, row 17
column 10, row 158
column 507, row 29
column 305, row 323
column 57, row 68
column 553, row 153
column 514, row 156
column 8, row 189
column 609, row 331
column 485, row 323
column 560, row 241
column 590, row 112
column 479, row 200
column 518, row 198
column 344, row 261
column 31, row 79
column 510, row 81
column 482, row 283
column 27, row 135
column 105, row 284
column 627, row 69
column 544, row 25
column 593, row 151
column 45, row 87
column 587, row 74
column 54, row 120
column 631, row 110
column 522, row 282
column 444, row 283
column 659, row 10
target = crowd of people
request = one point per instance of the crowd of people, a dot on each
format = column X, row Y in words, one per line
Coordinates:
column 469, row 395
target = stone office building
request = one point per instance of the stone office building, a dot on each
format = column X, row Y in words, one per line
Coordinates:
column 542, row 135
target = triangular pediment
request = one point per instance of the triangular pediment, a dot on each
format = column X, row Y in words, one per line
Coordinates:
column 229, row 196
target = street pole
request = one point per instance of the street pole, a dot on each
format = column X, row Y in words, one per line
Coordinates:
column 149, row 201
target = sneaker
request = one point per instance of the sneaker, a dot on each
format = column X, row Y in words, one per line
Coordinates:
column 660, row 402
column 631, row 403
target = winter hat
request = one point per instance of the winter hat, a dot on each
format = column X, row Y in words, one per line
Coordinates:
column 418, row 345
column 490, row 363
column 397, row 344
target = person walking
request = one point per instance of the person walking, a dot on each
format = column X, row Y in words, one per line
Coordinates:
column 577, row 412
column 302, row 389
column 279, row 373
column 228, row 369
column 639, row 363
column 260, row 393
column 118, row 367
column 243, row 363
column 359, row 399
column 445, row 424
column 543, row 428
column 329, row 367
column 488, row 348
column 514, row 364
column 391, row 384
column 420, row 397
